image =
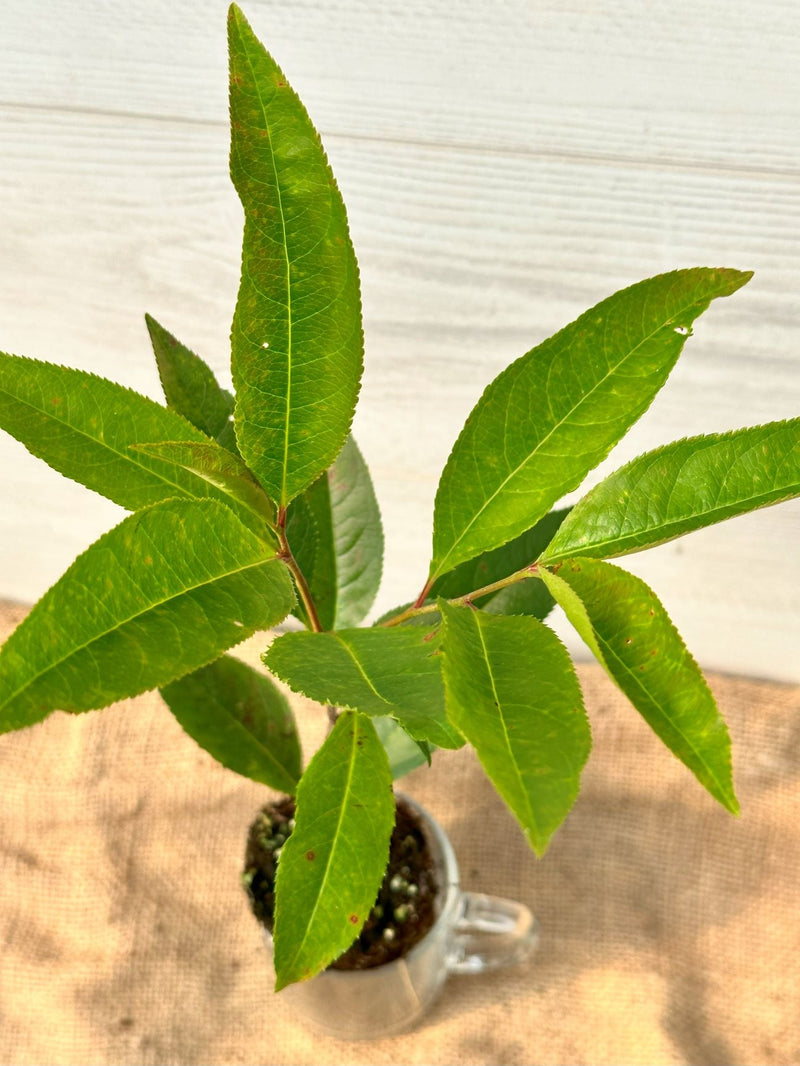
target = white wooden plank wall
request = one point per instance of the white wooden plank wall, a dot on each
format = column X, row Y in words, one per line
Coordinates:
column 505, row 165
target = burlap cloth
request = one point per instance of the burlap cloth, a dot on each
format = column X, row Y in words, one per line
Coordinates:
column 670, row 929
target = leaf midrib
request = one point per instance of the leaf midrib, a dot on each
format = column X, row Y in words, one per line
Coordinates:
column 506, row 736
column 253, row 738
column 237, row 473
column 285, row 247
column 441, row 568
column 103, row 444
column 605, row 652
column 335, row 841
column 768, row 498
column 608, row 651
column 361, row 670
column 126, row 621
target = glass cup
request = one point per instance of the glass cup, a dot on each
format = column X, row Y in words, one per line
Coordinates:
column 472, row 933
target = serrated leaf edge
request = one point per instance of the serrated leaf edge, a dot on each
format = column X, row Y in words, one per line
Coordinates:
column 597, row 646
column 436, row 569
column 150, row 607
column 576, row 549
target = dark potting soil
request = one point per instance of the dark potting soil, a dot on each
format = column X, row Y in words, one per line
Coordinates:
column 404, row 910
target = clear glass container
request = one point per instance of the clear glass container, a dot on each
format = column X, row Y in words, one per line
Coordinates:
column 472, row 933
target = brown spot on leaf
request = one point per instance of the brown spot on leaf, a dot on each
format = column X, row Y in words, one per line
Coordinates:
column 354, row 919
column 310, row 856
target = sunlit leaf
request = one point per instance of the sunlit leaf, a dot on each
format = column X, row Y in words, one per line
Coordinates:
column 163, row 593
column 297, row 346
column 627, row 628
column 83, row 426
column 220, row 468
column 556, row 412
column 682, row 487
column 332, row 865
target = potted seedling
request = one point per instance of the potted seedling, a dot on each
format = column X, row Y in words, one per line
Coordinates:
column 253, row 507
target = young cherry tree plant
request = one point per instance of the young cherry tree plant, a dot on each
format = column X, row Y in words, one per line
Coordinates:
column 250, row 507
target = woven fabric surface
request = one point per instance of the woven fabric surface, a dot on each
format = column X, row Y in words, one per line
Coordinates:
column 670, row 930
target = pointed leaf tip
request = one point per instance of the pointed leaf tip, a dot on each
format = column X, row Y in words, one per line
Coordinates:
column 581, row 390
column 633, row 638
column 296, row 338
column 189, row 385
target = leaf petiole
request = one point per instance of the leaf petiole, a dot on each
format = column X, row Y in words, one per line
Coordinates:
column 466, row 600
column 303, row 591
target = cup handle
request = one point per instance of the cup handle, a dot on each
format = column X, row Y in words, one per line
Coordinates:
column 489, row 933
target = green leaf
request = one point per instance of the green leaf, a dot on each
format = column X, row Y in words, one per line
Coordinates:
column 240, row 717
column 165, row 592
column 681, row 487
column 332, row 865
column 189, row 384
column 84, row 426
column 525, row 597
column 405, row 754
column 297, row 345
column 335, row 532
column 627, row 628
column 393, row 672
column 513, row 693
column 220, row 468
column 555, row 413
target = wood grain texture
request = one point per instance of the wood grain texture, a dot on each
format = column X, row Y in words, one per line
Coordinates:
column 504, row 167
column 670, row 82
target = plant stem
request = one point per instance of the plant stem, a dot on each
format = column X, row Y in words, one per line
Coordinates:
column 420, row 607
column 303, row 591
column 426, row 588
